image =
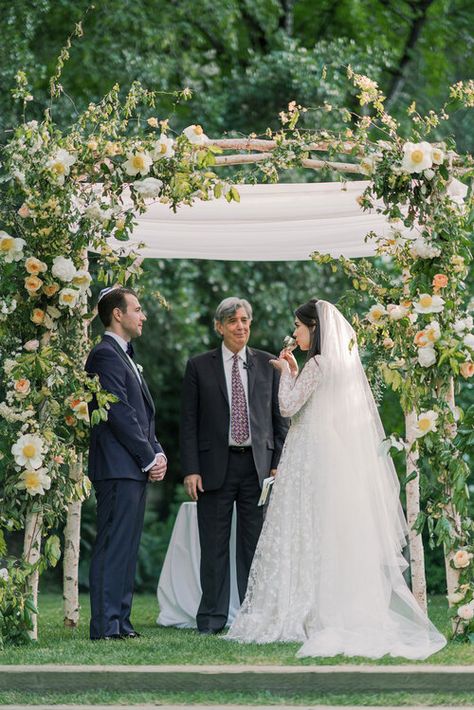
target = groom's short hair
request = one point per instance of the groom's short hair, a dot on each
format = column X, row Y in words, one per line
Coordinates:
column 115, row 298
column 228, row 307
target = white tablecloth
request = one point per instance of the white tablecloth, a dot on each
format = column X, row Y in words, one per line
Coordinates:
column 179, row 587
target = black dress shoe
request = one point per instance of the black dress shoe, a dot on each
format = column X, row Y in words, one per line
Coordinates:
column 130, row 635
column 210, row 632
column 113, row 637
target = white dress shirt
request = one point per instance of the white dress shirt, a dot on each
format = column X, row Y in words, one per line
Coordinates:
column 227, row 357
column 123, row 344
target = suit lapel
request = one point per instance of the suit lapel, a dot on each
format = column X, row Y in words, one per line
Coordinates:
column 252, row 371
column 218, row 365
column 143, row 384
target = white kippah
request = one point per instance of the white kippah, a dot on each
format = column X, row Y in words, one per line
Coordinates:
column 105, row 291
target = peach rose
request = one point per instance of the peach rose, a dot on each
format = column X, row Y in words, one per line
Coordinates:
column 22, row 386
column 24, row 210
column 420, row 339
column 31, row 345
column 58, row 459
column 70, row 421
column 33, row 284
column 466, row 612
column 37, row 316
column 440, row 281
column 35, row 266
column 462, row 559
column 50, row 289
column 467, row 369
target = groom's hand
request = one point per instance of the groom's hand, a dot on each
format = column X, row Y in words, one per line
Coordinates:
column 193, row 484
column 158, row 471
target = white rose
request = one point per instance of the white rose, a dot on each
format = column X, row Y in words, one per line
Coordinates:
column 456, row 190
column 11, row 248
column 426, row 356
column 28, row 451
column 376, row 313
column 455, row 597
column 96, row 213
column 469, row 340
column 368, row 164
column 396, row 311
column 163, row 148
column 68, row 297
column 421, row 249
column 60, row 165
column 4, row 574
column 416, row 157
column 429, row 304
column 437, row 155
column 138, row 162
column 426, row 422
column 63, row 269
column 149, row 188
column 195, row 135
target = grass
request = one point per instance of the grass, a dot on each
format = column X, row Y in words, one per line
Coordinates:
column 219, row 700
column 184, row 647
column 159, row 646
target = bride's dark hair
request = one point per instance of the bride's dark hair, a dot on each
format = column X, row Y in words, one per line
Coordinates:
column 308, row 315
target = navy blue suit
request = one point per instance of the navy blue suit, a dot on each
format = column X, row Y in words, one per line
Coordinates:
column 119, row 450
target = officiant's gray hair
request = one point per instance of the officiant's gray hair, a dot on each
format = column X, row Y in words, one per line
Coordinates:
column 229, row 306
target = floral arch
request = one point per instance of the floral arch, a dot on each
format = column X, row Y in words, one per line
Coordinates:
column 62, row 193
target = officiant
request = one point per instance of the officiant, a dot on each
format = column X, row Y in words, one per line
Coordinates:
column 231, row 437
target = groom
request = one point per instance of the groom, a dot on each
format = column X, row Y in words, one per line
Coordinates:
column 123, row 455
column 232, row 435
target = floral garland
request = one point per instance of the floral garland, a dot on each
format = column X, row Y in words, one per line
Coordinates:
column 60, row 194
column 418, row 325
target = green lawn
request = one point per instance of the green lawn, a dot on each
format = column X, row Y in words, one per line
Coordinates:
column 181, row 646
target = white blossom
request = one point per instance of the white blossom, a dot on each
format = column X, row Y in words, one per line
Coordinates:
column 28, row 451
column 149, row 188
column 417, row 157
column 195, row 134
column 63, row 269
column 60, row 164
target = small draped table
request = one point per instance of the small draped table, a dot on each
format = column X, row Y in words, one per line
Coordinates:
column 179, row 586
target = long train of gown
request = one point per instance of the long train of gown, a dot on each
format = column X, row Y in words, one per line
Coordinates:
column 323, row 572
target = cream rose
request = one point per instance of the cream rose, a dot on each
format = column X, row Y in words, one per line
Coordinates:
column 462, row 559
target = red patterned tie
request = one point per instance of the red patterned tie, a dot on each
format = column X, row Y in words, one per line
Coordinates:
column 239, row 427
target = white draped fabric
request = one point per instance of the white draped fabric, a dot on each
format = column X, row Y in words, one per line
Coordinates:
column 179, row 586
column 282, row 222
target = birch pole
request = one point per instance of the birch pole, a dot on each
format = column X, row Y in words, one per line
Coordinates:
column 417, row 556
column 31, row 555
column 72, row 542
column 452, row 574
column 72, row 530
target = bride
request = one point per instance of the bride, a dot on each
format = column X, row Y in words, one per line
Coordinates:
column 328, row 566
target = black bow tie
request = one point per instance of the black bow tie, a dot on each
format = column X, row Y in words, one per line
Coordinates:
column 130, row 350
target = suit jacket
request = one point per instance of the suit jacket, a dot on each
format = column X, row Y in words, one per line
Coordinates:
column 205, row 416
column 126, row 443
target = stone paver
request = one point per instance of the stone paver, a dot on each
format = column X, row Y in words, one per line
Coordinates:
column 227, row 707
column 285, row 680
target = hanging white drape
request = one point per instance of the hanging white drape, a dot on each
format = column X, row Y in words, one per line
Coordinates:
column 282, row 222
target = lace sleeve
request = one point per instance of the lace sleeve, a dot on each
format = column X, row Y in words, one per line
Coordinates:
column 295, row 391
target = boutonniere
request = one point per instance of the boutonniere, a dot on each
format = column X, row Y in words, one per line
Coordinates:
column 139, row 367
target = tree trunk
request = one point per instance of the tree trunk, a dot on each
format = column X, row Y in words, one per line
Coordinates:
column 72, row 538
column 417, row 558
column 31, row 554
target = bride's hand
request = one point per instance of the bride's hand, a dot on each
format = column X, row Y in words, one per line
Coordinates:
column 288, row 356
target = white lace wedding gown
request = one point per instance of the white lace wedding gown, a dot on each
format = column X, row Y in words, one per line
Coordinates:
column 328, row 566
